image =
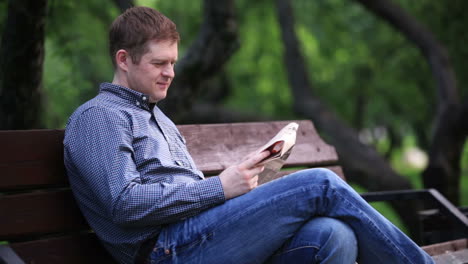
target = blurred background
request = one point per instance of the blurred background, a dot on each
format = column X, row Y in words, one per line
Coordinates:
column 383, row 81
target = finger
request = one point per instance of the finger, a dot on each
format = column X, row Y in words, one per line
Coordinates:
column 254, row 160
column 254, row 181
column 256, row 170
column 259, row 169
column 251, row 155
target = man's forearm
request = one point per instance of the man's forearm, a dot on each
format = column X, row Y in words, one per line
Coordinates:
column 161, row 203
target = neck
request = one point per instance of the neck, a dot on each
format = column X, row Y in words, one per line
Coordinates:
column 119, row 79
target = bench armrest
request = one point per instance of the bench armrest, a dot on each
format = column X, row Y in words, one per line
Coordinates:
column 8, row 256
column 433, row 195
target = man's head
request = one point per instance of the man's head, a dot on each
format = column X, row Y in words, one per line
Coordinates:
column 143, row 49
column 133, row 29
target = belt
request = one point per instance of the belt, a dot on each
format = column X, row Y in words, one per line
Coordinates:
column 143, row 254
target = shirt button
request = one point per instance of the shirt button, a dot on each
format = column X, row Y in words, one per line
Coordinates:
column 167, row 251
column 137, row 103
column 143, row 98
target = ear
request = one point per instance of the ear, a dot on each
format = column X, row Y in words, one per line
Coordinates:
column 122, row 58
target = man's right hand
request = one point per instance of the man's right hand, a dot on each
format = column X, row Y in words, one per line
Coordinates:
column 242, row 178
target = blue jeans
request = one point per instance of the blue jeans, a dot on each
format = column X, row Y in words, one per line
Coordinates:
column 310, row 216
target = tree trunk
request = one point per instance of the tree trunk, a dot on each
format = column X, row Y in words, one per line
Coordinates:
column 361, row 163
column 21, row 62
column 123, row 4
column 215, row 44
column 443, row 171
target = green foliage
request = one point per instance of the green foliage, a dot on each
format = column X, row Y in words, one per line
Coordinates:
column 464, row 178
column 76, row 56
column 256, row 71
column 363, row 68
column 3, row 14
column 448, row 23
column 187, row 15
column 366, row 71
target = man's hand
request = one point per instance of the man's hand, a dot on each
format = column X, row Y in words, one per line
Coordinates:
column 242, row 178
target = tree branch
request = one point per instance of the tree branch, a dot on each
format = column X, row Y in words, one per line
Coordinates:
column 216, row 42
column 443, row 171
column 415, row 32
column 123, row 4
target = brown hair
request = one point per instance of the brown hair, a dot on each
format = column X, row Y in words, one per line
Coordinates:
column 135, row 27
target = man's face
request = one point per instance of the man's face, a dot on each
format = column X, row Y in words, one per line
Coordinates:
column 154, row 73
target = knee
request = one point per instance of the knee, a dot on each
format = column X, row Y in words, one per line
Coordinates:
column 323, row 173
column 321, row 176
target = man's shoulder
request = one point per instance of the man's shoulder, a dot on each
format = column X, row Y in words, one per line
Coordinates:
column 91, row 105
column 96, row 109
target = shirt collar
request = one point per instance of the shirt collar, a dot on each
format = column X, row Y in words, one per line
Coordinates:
column 136, row 98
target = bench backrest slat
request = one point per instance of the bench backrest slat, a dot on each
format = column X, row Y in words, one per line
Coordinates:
column 31, row 158
column 34, row 158
column 215, row 147
column 32, row 214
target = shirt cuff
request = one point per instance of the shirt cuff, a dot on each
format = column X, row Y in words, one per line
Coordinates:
column 211, row 192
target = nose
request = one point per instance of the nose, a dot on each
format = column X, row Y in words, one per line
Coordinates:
column 168, row 71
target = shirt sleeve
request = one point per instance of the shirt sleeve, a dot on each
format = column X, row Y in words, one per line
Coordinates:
column 99, row 158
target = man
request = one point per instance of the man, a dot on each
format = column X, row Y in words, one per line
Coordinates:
column 141, row 192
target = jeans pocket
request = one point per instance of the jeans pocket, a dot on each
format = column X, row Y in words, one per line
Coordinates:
column 186, row 246
column 180, row 250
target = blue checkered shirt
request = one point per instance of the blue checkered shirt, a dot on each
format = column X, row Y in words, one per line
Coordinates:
column 130, row 170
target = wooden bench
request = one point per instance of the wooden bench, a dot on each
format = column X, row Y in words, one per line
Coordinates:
column 40, row 221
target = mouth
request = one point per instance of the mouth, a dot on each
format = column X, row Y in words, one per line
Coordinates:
column 163, row 84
